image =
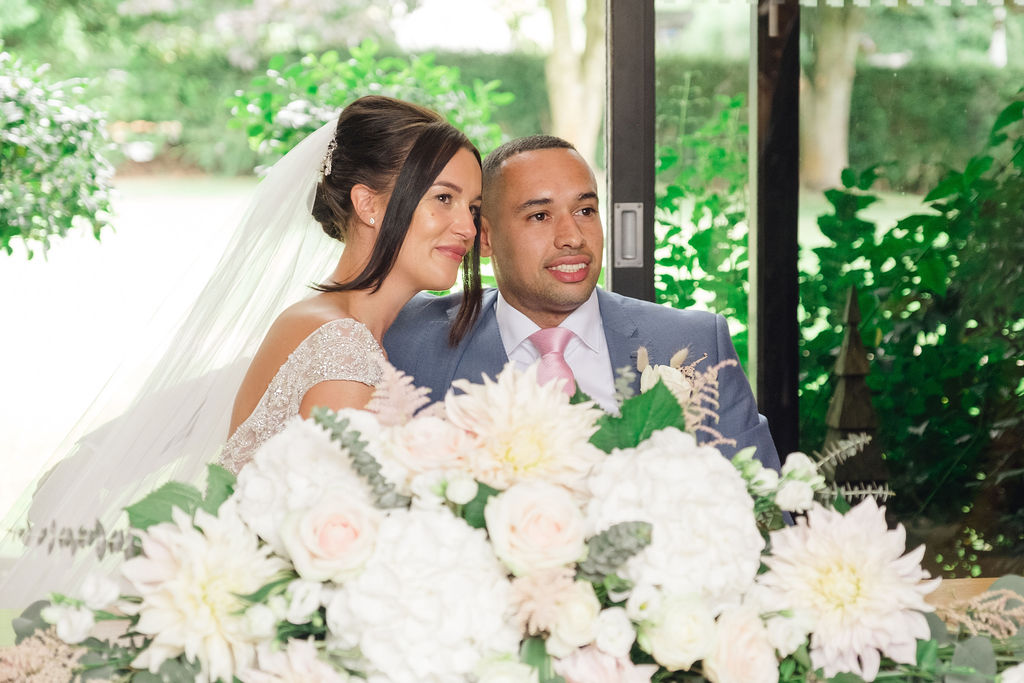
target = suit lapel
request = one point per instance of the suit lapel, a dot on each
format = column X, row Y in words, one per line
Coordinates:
column 482, row 352
column 621, row 331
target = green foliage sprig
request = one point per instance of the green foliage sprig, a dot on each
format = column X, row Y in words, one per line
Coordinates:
column 53, row 173
column 292, row 100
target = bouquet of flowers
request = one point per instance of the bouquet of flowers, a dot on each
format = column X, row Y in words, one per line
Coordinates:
column 511, row 535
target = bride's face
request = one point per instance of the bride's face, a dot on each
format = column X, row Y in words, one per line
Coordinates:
column 443, row 226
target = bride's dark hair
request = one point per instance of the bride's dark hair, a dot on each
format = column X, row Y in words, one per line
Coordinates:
column 397, row 147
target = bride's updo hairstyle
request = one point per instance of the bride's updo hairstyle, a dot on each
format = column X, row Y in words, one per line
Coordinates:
column 399, row 148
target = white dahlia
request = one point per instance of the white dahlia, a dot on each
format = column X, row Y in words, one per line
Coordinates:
column 297, row 466
column 704, row 540
column 190, row 576
column 525, row 431
column 431, row 604
column 848, row 576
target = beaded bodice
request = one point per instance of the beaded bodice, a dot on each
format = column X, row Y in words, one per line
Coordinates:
column 338, row 350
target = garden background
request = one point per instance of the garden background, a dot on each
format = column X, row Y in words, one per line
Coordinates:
column 185, row 100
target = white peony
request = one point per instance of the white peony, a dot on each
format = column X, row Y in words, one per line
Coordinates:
column 681, row 633
column 524, row 430
column 849, row 576
column 190, row 577
column 535, row 526
column 742, row 653
column 575, row 623
column 296, row 663
column 73, row 623
column 431, row 604
column 331, row 540
column 704, row 539
column 298, row 465
column 591, row 665
column 615, row 632
column 505, row 670
column 673, row 379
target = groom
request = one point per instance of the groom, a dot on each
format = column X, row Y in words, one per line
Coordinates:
column 540, row 226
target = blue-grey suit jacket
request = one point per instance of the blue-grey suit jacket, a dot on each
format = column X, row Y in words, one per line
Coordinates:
column 417, row 344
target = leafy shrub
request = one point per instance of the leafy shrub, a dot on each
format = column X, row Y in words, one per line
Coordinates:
column 701, row 255
column 943, row 316
column 52, row 165
column 289, row 102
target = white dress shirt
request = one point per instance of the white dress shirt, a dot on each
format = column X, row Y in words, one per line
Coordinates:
column 586, row 354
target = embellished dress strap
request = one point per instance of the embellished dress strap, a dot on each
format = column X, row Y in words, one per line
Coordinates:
column 341, row 349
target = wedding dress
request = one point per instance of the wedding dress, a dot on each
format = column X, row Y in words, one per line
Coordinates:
column 341, row 349
column 178, row 421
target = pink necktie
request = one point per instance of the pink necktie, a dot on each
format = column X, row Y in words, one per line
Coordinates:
column 551, row 343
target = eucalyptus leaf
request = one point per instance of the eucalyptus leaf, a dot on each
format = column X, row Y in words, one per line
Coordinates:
column 30, row 620
column 976, row 654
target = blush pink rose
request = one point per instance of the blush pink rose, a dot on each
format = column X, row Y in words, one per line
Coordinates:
column 332, row 540
column 591, row 665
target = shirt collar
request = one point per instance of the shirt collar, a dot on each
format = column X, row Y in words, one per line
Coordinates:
column 585, row 322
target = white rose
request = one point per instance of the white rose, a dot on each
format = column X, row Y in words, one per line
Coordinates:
column 505, row 670
column 615, row 632
column 742, row 653
column 261, row 624
column 461, row 488
column 534, row 526
column 794, row 495
column 332, row 540
column 674, row 381
column 1013, row 675
column 683, row 633
column 305, row 599
column 73, row 623
column 99, row 591
column 576, row 620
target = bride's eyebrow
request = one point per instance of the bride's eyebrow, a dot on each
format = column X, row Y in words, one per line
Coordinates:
column 453, row 186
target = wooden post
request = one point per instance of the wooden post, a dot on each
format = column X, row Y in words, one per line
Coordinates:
column 850, row 411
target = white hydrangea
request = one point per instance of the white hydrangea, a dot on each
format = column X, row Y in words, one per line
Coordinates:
column 704, row 541
column 433, row 602
column 294, row 468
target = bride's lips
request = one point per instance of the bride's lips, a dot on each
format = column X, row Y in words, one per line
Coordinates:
column 454, row 252
column 570, row 268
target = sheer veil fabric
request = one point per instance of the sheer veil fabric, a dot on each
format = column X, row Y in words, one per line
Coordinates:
column 179, row 419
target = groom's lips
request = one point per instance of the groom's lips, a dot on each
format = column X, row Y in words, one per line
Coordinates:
column 570, row 269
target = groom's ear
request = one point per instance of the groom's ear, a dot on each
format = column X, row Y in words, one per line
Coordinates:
column 485, row 237
column 367, row 204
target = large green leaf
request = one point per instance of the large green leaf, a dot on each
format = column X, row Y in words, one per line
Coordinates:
column 220, row 484
column 156, row 507
column 641, row 416
column 473, row 511
column 535, row 653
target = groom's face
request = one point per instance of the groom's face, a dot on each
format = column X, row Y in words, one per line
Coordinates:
column 542, row 230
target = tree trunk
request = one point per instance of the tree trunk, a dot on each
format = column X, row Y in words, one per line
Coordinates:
column 825, row 97
column 575, row 82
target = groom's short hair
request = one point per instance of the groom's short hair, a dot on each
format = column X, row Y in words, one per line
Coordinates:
column 531, row 143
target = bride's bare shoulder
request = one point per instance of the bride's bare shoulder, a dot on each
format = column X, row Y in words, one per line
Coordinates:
column 297, row 322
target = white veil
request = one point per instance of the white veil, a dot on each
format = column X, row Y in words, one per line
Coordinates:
column 179, row 419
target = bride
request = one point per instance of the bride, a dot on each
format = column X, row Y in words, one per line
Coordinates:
column 394, row 182
column 401, row 188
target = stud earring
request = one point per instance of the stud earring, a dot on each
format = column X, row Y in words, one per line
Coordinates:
column 372, row 220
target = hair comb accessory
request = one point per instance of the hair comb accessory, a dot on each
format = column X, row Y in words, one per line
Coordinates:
column 325, row 166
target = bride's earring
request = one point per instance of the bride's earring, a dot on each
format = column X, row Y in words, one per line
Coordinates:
column 372, row 220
